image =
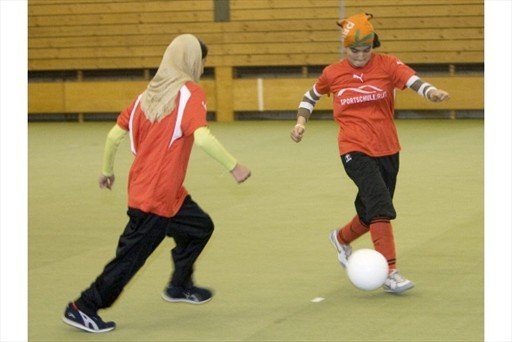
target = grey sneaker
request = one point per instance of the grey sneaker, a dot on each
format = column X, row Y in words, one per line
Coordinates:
column 396, row 283
column 344, row 251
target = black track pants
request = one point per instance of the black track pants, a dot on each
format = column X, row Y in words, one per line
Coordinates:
column 191, row 229
column 375, row 178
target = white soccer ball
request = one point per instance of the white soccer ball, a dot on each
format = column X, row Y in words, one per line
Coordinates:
column 367, row 269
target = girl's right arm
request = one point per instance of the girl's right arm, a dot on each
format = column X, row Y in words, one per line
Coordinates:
column 306, row 107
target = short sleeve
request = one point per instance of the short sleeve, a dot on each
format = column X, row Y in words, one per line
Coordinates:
column 195, row 112
column 123, row 120
column 323, row 85
column 400, row 72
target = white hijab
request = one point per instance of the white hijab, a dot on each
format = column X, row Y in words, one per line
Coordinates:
column 181, row 62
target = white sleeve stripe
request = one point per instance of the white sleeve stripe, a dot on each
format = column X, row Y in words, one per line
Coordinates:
column 308, row 95
column 306, row 105
column 313, row 95
column 307, row 99
column 421, row 91
column 316, row 92
column 431, row 87
column 130, row 125
column 184, row 97
column 411, row 80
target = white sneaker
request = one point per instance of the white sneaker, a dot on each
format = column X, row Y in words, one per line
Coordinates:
column 344, row 251
column 396, row 283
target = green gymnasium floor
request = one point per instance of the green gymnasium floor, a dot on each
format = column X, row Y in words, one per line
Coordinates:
column 270, row 254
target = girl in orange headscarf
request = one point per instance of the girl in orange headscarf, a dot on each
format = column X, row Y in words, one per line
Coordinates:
column 363, row 87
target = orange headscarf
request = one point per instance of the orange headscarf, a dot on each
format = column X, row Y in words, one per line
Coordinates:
column 357, row 30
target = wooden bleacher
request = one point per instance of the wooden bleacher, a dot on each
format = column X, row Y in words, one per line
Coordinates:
column 81, row 35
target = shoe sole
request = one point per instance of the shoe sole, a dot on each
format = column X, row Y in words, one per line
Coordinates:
column 332, row 238
column 84, row 328
column 398, row 291
column 183, row 300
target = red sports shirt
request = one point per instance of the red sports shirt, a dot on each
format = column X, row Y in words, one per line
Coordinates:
column 363, row 103
column 162, row 151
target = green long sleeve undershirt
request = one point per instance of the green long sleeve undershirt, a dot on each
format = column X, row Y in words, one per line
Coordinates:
column 202, row 138
column 114, row 138
column 208, row 143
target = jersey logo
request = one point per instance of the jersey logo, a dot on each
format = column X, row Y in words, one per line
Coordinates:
column 204, row 105
column 359, row 77
column 365, row 93
column 361, row 90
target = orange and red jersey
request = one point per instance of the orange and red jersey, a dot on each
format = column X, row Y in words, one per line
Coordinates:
column 162, row 151
column 363, row 103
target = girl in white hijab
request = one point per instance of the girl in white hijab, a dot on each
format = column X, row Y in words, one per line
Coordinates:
column 183, row 61
column 158, row 203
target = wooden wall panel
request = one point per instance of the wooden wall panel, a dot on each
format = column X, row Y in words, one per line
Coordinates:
column 92, row 97
column 101, row 7
column 100, row 96
column 432, row 28
column 46, row 97
column 133, row 34
column 71, row 34
column 467, row 93
column 285, row 94
column 276, row 95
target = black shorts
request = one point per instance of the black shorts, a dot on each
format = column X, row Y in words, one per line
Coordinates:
column 375, row 178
